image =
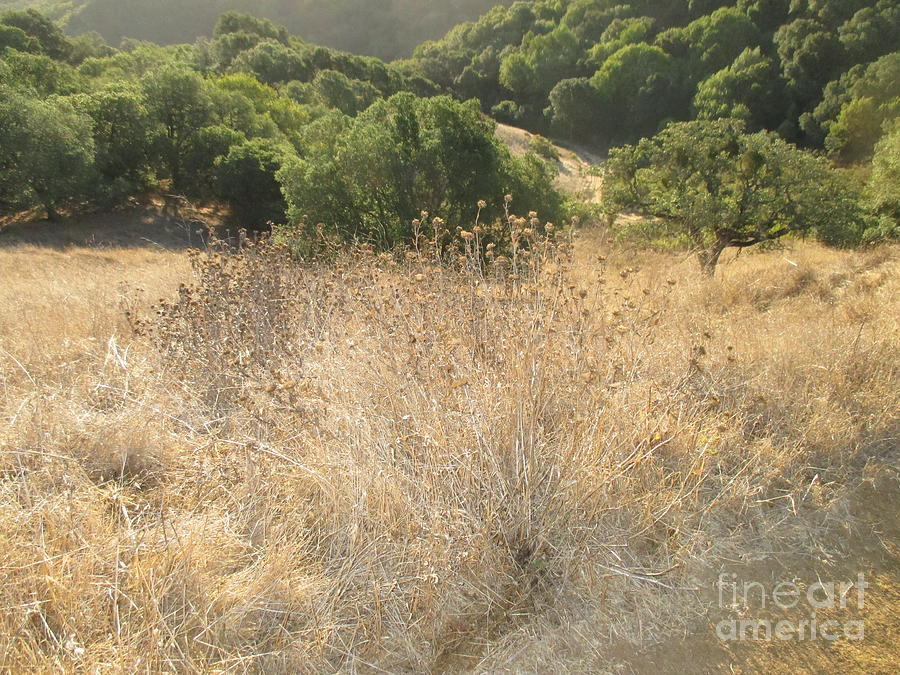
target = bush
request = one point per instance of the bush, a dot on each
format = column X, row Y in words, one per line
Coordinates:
column 48, row 151
column 405, row 155
column 544, row 148
column 245, row 179
column 507, row 112
column 883, row 189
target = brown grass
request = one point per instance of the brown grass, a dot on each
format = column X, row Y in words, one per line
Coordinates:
column 351, row 467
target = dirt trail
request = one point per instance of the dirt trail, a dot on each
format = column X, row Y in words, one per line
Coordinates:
column 151, row 221
column 576, row 178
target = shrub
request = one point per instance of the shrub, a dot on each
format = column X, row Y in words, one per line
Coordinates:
column 405, row 155
column 544, row 148
column 245, row 178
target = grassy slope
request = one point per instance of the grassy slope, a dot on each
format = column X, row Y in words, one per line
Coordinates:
column 576, row 179
column 428, row 474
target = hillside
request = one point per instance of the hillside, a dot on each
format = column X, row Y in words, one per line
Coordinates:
column 578, row 176
column 607, row 72
column 225, row 461
column 384, row 28
column 568, row 344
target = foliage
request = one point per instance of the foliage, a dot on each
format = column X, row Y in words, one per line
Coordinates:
column 811, row 55
column 871, row 31
column 47, row 153
column 883, row 190
column 637, row 88
column 749, row 89
column 713, row 41
column 121, row 136
column 858, row 128
column 405, row 155
column 574, row 108
column 245, row 179
column 722, row 187
column 38, row 74
column 272, row 62
column 600, row 72
column 179, row 105
column 42, row 31
column 589, row 19
column 15, row 38
column 335, row 90
column 618, row 34
column 207, row 145
column 868, row 104
column 540, row 62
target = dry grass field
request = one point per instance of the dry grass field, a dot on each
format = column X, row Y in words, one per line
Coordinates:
column 380, row 465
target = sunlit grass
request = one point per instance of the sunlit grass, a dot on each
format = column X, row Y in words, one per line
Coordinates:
column 384, row 464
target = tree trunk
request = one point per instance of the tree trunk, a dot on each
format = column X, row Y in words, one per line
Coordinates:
column 709, row 258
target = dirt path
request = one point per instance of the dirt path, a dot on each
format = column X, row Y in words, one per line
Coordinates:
column 575, row 165
column 152, row 221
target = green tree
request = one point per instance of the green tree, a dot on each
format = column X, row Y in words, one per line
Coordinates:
column 246, row 180
column 272, row 62
column 540, row 62
column 711, row 42
column 883, row 189
column 868, row 98
column 768, row 15
column 811, row 55
column 871, row 32
column 517, row 75
column 619, row 33
column 207, row 146
column 52, row 41
column 721, row 187
column 588, row 19
column 16, row 38
column 88, row 46
column 237, row 22
column 831, row 13
column 574, row 108
column 369, row 177
column 121, row 135
column 179, row 104
column 226, row 48
column 637, row 88
column 749, row 89
column 39, row 74
column 336, row 90
column 857, row 129
column 48, row 151
column 816, row 123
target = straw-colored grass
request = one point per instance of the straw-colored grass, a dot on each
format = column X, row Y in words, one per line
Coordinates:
column 376, row 466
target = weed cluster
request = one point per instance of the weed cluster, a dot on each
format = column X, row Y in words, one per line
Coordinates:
column 442, row 458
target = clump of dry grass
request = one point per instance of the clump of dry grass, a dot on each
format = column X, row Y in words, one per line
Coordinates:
column 382, row 463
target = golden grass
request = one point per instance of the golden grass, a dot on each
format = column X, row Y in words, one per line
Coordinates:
column 383, row 466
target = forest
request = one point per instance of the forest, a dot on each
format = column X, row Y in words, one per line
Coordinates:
column 274, row 125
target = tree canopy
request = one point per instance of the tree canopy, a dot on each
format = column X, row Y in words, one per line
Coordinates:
column 405, row 155
column 721, row 187
column 47, row 151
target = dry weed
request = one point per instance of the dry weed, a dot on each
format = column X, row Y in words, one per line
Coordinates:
column 384, row 463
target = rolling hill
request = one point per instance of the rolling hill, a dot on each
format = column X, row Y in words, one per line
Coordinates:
column 384, row 28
